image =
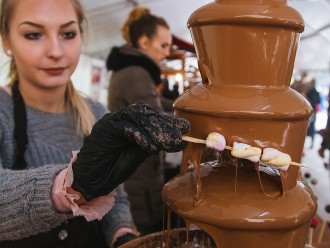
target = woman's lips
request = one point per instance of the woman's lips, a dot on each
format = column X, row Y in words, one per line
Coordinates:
column 54, row 71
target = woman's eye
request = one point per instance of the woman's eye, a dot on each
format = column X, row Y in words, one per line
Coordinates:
column 69, row 35
column 165, row 45
column 32, row 36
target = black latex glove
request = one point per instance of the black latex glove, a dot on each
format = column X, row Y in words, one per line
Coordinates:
column 119, row 143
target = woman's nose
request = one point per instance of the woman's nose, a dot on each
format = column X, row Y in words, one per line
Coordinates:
column 167, row 51
column 54, row 48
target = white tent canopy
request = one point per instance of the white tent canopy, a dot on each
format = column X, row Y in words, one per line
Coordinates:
column 107, row 16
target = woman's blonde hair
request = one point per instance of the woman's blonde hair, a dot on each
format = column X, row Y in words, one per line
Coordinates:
column 83, row 115
column 141, row 22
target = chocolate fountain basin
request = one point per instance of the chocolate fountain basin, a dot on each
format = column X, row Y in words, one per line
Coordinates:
column 197, row 239
column 234, row 210
column 178, row 239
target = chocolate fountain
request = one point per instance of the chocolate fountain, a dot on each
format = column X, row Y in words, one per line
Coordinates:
column 246, row 51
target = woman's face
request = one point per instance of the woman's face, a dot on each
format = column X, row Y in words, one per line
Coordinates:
column 45, row 41
column 158, row 48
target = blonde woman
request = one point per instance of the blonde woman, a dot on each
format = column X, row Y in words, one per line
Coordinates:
column 43, row 119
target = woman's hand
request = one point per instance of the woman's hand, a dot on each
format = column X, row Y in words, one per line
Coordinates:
column 119, row 143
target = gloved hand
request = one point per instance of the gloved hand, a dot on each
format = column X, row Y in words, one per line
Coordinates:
column 119, row 143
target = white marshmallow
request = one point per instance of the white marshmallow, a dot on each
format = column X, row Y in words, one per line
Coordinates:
column 276, row 158
column 244, row 151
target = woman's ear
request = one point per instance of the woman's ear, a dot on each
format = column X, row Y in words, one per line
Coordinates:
column 144, row 42
column 5, row 47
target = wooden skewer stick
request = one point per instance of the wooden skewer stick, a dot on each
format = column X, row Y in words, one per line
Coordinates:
column 310, row 236
column 193, row 140
column 201, row 141
column 292, row 163
column 321, row 233
column 297, row 164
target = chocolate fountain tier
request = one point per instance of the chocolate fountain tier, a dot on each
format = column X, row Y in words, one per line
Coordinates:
column 260, row 116
column 258, row 102
column 247, row 218
column 246, row 42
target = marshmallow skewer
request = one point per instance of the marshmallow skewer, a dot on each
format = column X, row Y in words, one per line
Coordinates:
column 217, row 142
column 200, row 141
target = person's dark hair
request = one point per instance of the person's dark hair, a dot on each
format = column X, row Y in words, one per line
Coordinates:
column 141, row 22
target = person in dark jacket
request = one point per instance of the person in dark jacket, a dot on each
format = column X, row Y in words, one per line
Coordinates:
column 313, row 96
column 135, row 78
column 325, row 134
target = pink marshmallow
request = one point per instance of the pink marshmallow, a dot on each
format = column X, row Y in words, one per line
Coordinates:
column 216, row 141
